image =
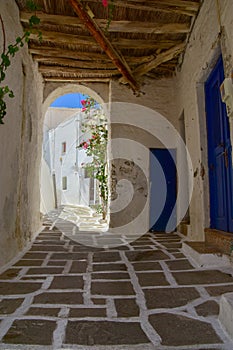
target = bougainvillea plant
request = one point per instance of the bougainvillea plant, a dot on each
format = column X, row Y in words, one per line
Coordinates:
column 109, row 4
column 95, row 146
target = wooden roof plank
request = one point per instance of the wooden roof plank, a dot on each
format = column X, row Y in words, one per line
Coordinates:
column 158, row 6
column 82, row 40
column 115, row 26
column 77, row 80
column 161, row 58
column 45, row 51
column 72, row 63
column 105, row 44
column 50, row 70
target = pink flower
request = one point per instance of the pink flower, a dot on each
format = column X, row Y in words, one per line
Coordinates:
column 94, row 136
column 84, row 109
column 85, row 145
column 105, row 3
column 83, row 102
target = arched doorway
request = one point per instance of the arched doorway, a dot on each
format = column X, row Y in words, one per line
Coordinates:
column 66, row 185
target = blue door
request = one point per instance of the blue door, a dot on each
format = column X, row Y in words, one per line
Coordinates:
column 163, row 189
column 219, row 153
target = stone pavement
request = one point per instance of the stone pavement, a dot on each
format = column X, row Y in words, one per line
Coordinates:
column 145, row 295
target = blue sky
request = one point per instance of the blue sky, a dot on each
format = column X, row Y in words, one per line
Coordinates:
column 69, row 101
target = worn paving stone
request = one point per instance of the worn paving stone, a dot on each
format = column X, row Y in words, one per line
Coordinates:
column 35, row 256
column 29, row 262
column 177, row 330
column 112, row 288
column 85, row 249
column 88, row 312
column 207, row 308
column 126, row 307
column 30, row 332
column 7, row 288
column 47, row 248
column 78, row 267
column 42, row 311
column 98, row 301
column 146, row 247
column 45, row 270
column 33, row 278
column 9, row 274
column 109, row 267
column 172, row 245
column 147, row 255
column 104, row 333
column 144, row 266
column 202, row 277
column 110, row 276
column 219, row 290
column 169, row 297
column 69, row 256
column 56, row 263
column 59, row 298
column 106, row 257
column 48, row 242
column 179, row 265
column 8, row 306
column 179, row 255
column 152, row 279
column 67, row 282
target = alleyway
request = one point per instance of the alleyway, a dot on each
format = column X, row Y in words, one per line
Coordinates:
column 146, row 295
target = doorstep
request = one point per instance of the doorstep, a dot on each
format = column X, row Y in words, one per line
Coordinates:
column 221, row 239
column 205, row 255
column 226, row 313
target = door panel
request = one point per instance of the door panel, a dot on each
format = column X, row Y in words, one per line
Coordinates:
column 163, row 189
column 219, row 153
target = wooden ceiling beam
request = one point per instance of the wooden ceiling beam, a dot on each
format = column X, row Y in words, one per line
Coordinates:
column 66, row 53
column 76, row 80
column 51, row 70
column 72, row 63
column 105, row 44
column 161, row 58
column 115, row 26
column 46, row 51
column 157, row 6
column 121, row 43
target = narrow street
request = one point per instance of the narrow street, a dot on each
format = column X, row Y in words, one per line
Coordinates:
column 145, row 295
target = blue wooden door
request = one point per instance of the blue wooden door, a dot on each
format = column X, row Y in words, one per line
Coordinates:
column 219, row 153
column 163, row 189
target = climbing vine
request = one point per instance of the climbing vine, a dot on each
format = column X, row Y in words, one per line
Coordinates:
column 95, row 126
column 9, row 52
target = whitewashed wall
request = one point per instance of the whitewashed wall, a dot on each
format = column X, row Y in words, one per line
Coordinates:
column 212, row 34
column 19, row 139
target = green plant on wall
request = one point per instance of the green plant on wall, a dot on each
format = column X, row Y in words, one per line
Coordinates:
column 95, row 146
column 9, row 52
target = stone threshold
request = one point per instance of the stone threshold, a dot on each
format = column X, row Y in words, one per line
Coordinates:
column 221, row 239
column 204, row 254
column 226, row 313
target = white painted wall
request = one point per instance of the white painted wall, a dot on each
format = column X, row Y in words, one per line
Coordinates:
column 204, row 47
column 47, row 202
column 20, row 145
column 64, row 125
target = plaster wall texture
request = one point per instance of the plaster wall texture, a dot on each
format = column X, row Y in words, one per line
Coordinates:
column 47, row 202
column 19, row 139
column 137, row 126
column 204, row 47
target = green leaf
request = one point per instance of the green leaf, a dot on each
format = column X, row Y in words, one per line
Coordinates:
column 34, row 20
column 11, row 94
column 30, row 4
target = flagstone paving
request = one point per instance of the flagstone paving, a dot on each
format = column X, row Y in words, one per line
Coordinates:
column 145, row 295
